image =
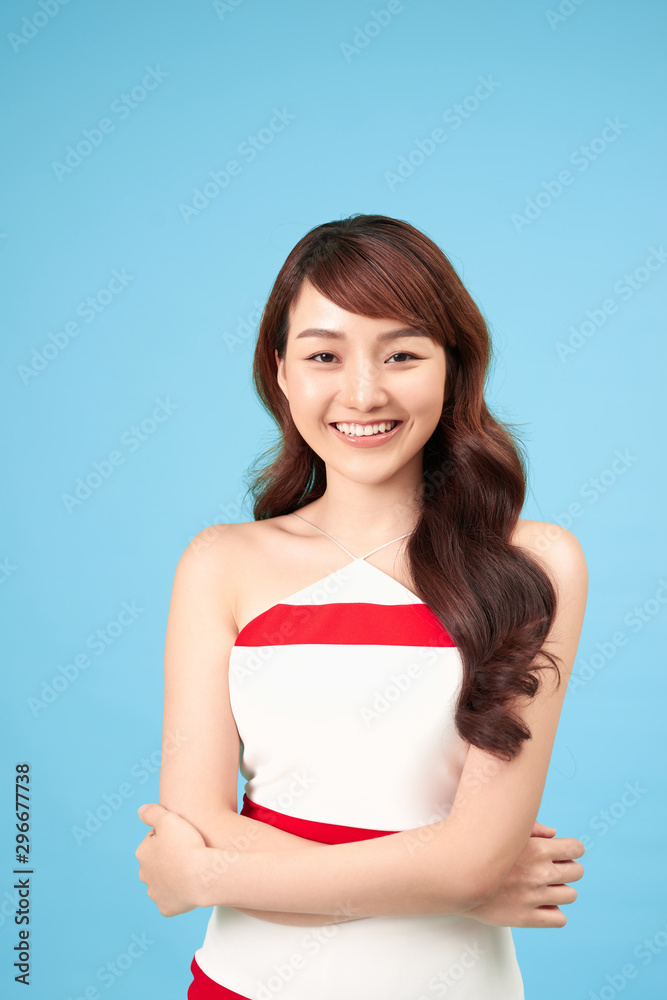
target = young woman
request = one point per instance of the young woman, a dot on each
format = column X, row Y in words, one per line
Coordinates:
column 387, row 646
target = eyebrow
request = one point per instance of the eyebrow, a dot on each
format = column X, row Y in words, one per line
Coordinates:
column 407, row 331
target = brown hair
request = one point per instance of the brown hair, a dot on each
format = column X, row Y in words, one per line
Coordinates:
column 493, row 598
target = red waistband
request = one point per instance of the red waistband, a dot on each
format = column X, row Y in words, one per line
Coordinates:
column 325, row 833
column 204, row 988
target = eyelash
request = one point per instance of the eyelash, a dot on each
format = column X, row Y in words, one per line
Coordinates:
column 406, row 353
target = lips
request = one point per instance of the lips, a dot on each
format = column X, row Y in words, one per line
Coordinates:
column 366, row 440
column 338, row 424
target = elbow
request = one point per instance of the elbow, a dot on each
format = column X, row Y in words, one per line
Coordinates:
column 213, row 822
column 216, row 826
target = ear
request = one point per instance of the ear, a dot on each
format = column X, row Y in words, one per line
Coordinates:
column 280, row 373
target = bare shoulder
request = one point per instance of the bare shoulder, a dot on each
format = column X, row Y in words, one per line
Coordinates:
column 556, row 549
column 226, row 551
column 239, row 564
column 231, row 545
column 212, row 551
column 206, row 569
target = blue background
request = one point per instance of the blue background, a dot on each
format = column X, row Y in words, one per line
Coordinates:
column 181, row 330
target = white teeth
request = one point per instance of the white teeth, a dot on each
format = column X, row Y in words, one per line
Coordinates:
column 359, row 430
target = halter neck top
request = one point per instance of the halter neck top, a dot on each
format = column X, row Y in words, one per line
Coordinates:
column 351, row 672
column 344, row 696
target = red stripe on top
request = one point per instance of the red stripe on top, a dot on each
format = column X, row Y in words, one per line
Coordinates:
column 325, row 833
column 351, row 623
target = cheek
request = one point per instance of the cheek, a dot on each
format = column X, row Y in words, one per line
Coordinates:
column 306, row 402
column 307, row 398
column 308, row 410
column 425, row 398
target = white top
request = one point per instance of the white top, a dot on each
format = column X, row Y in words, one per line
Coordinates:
column 344, row 696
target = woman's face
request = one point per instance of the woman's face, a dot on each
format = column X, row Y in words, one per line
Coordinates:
column 360, row 372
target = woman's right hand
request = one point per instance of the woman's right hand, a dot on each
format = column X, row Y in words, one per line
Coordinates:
column 535, row 887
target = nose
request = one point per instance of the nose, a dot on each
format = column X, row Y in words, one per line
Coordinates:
column 362, row 386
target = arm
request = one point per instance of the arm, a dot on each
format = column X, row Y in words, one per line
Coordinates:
column 530, row 896
column 411, row 872
column 201, row 744
column 230, row 832
column 198, row 779
column 569, row 562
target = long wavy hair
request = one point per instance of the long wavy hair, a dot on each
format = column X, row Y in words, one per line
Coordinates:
column 491, row 596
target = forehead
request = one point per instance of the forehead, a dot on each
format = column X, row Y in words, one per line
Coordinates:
column 310, row 302
column 313, row 315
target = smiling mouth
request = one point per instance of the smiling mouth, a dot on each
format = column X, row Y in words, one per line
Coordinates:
column 366, row 430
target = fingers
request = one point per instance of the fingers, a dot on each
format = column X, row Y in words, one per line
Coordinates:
column 140, row 849
column 558, row 895
column 540, row 830
column 558, row 848
column 540, row 916
column 551, row 870
column 546, row 916
column 151, row 813
column 567, row 848
column 567, row 871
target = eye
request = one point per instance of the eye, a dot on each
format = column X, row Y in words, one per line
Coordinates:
column 321, row 354
column 405, row 354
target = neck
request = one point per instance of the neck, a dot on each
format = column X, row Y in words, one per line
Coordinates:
column 367, row 513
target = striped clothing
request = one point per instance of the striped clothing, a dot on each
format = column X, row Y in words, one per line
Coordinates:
column 344, row 696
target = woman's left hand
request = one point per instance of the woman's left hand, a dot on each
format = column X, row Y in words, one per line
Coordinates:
column 170, row 859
